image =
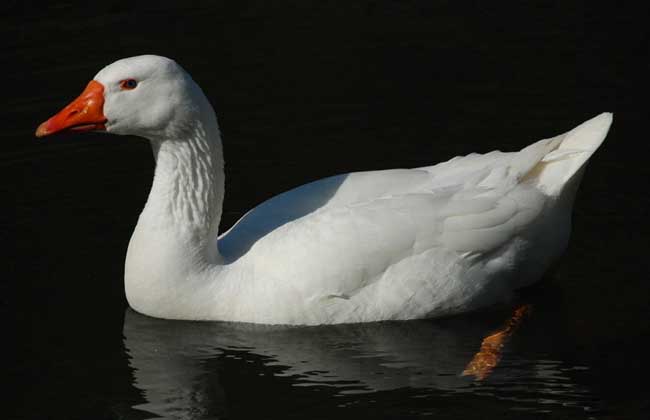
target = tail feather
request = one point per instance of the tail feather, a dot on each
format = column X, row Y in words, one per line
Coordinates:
column 566, row 155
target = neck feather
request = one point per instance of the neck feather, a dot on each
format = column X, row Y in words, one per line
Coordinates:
column 187, row 193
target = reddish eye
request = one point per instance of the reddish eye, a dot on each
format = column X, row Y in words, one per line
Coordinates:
column 128, row 84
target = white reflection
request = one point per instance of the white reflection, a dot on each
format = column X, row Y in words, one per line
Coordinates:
column 176, row 363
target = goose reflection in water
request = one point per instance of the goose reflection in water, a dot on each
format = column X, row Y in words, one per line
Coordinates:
column 184, row 369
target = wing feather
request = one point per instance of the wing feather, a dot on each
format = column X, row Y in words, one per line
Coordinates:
column 371, row 221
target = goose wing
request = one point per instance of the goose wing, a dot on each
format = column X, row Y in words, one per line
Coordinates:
column 336, row 236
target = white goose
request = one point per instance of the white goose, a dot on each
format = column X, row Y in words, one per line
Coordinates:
column 366, row 246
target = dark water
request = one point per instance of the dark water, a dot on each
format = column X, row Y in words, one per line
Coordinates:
column 305, row 90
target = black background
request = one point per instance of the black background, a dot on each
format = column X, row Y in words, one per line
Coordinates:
column 304, row 90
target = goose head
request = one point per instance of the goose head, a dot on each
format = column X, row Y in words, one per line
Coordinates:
column 147, row 96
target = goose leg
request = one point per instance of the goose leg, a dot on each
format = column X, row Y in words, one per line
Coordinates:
column 489, row 355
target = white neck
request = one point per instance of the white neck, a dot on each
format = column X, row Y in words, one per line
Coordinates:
column 188, row 187
column 175, row 239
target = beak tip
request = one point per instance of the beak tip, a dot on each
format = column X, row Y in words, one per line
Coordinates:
column 42, row 130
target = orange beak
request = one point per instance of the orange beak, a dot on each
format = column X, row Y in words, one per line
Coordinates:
column 86, row 113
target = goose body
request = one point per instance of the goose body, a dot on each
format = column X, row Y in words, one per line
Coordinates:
column 358, row 247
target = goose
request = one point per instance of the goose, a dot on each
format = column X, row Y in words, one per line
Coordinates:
column 392, row 244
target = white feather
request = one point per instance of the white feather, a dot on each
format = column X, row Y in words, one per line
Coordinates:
column 366, row 246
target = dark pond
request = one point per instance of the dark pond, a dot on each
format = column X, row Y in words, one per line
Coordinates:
column 304, row 90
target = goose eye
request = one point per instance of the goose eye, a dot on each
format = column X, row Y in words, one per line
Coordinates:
column 128, row 84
